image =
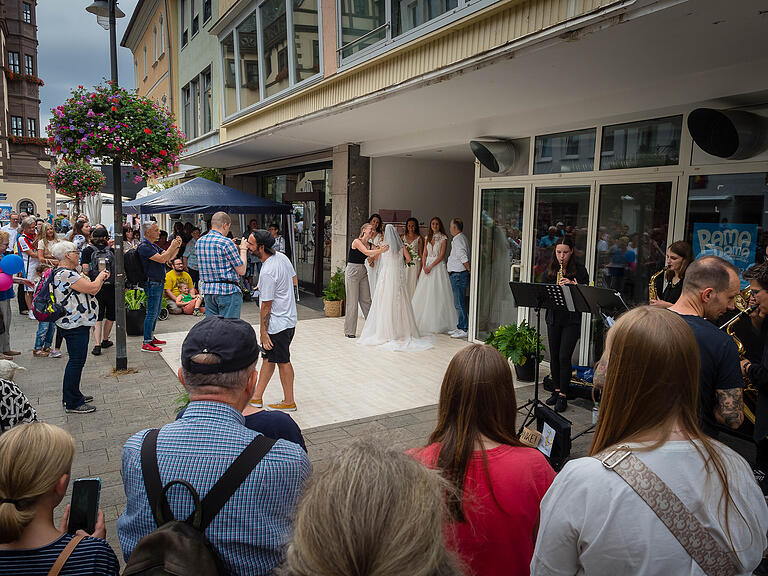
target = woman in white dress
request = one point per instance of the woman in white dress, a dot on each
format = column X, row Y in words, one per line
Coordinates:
column 433, row 300
column 414, row 240
column 390, row 324
column 371, row 263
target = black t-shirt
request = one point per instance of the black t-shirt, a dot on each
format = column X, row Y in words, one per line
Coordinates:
column 672, row 292
column 558, row 317
column 155, row 271
column 719, row 368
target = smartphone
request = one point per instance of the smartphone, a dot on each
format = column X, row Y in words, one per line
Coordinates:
column 85, row 505
column 102, row 264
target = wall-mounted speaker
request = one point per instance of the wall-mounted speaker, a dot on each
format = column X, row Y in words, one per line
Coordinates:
column 497, row 156
column 731, row 134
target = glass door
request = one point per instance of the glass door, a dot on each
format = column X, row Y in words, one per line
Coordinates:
column 304, row 229
column 499, row 260
column 630, row 246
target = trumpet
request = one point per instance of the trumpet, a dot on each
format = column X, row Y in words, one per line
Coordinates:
column 653, row 294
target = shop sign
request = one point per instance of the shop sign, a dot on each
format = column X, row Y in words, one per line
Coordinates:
column 734, row 242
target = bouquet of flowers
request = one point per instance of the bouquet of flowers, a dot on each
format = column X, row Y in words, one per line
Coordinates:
column 412, row 254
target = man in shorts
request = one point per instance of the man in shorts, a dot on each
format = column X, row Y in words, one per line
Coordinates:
column 278, row 318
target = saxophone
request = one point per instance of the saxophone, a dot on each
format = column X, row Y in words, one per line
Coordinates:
column 652, row 292
column 559, row 274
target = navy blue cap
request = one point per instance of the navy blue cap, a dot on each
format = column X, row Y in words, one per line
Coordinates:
column 231, row 339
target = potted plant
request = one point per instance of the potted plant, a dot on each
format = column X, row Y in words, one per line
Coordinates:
column 333, row 296
column 135, row 311
column 518, row 344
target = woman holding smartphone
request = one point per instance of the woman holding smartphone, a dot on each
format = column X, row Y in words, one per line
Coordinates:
column 35, row 463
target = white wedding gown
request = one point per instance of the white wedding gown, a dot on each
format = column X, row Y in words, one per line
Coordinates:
column 391, row 324
column 373, row 271
column 433, row 300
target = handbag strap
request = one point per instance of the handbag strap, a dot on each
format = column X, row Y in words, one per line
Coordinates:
column 711, row 556
column 64, row 556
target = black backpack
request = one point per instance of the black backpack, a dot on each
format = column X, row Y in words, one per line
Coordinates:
column 107, row 254
column 180, row 548
column 134, row 268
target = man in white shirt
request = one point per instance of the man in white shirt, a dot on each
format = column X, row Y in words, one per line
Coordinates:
column 277, row 318
column 274, row 229
column 458, row 270
column 13, row 231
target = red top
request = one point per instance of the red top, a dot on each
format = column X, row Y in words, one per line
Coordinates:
column 498, row 536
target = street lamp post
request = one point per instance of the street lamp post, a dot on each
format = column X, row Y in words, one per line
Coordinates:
column 108, row 9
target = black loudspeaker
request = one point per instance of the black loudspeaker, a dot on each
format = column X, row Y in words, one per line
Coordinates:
column 560, row 444
column 731, row 134
column 497, row 156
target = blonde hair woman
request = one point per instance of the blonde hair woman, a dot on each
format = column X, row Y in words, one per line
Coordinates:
column 375, row 512
column 44, row 244
column 35, row 463
column 356, row 285
column 594, row 522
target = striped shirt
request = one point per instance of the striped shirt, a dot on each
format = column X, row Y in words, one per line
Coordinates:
column 217, row 258
column 92, row 556
column 252, row 529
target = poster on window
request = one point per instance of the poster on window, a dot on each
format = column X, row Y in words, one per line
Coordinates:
column 5, row 212
column 734, row 242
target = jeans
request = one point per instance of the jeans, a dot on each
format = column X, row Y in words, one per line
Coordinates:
column 226, row 305
column 77, row 346
column 154, row 291
column 459, row 283
column 562, row 342
column 44, row 337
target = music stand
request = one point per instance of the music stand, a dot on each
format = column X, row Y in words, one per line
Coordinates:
column 538, row 296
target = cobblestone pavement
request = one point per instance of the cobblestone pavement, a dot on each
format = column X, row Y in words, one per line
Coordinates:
column 129, row 403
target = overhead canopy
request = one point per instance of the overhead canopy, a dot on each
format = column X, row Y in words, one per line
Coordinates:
column 202, row 196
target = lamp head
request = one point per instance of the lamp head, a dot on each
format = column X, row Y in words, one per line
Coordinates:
column 101, row 8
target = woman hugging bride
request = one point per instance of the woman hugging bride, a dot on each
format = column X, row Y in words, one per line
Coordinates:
column 391, row 324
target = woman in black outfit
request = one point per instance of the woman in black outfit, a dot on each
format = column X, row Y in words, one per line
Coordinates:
column 356, row 278
column 563, row 328
column 679, row 257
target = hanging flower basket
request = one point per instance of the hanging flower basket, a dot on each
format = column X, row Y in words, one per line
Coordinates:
column 108, row 124
column 76, row 179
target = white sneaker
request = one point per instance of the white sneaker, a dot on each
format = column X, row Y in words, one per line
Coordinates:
column 452, row 332
column 459, row 334
column 32, row 315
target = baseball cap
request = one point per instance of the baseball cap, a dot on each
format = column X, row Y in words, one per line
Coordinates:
column 231, row 339
column 264, row 238
column 99, row 233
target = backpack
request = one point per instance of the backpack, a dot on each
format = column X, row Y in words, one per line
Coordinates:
column 44, row 305
column 109, row 256
column 134, row 268
column 180, row 548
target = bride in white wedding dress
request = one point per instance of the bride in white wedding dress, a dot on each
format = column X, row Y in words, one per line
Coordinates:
column 390, row 324
column 433, row 299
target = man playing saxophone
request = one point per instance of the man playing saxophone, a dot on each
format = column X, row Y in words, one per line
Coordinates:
column 710, row 287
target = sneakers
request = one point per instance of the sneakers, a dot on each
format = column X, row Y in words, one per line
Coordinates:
column 150, row 347
column 40, row 353
column 459, row 334
column 157, row 342
column 13, row 352
column 86, row 400
column 106, row 343
column 350, row 335
column 452, row 332
column 55, row 354
column 552, row 399
column 96, row 350
column 82, row 409
column 256, row 402
column 283, row 406
column 32, row 315
column 561, row 404
column 196, row 312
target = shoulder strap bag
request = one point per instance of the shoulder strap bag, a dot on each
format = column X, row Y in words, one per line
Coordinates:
column 711, row 556
column 64, row 556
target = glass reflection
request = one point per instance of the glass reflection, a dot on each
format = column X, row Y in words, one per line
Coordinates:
column 306, row 39
column 274, row 27
column 639, row 144
column 408, row 14
column 358, row 18
column 565, row 152
column 228, row 66
column 247, row 43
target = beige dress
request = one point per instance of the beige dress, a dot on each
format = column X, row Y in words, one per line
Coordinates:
column 412, row 272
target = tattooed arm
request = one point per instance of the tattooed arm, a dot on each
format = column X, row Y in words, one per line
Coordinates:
column 265, row 313
column 730, row 407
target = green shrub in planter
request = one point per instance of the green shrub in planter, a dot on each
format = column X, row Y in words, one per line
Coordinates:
column 336, row 287
column 516, row 343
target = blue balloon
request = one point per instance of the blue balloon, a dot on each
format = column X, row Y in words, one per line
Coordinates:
column 12, row 264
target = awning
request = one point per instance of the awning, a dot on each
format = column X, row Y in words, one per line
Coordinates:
column 202, row 196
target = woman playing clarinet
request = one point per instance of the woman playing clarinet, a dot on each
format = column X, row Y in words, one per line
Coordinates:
column 563, row 328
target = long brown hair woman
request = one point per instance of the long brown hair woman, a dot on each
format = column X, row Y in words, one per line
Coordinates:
column 593, row 522
column 356, row 283
column 498, row 482
column 679, row 256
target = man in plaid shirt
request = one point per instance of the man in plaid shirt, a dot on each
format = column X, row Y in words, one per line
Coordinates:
column 220, row 268
column 252, row 529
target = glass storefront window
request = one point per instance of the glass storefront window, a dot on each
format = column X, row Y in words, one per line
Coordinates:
column 306, row 39
column 728, row 216
column 247, row 43
column 640, row 144
column 228, row 66
column 501, row 222
column 632, row 224
column 565, row 152
column 408, row 14
column 274, row 31
column 358, row 18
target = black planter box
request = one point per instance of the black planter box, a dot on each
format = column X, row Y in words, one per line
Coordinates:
column 526, row 372
column 134, row 322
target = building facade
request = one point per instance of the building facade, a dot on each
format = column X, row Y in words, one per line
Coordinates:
column 24, row 163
